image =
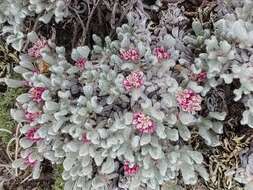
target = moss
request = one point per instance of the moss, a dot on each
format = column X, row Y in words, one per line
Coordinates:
column 7, row 101
column 59, row 183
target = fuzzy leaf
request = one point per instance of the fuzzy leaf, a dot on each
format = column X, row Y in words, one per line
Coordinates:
column 196, row 156
column 17, row 163
column 187, row 118
column 135, row 141
column 23, row 98
column 108, row 166
column 128, row 118
column 184, row 132
column 218, row 115
column 162, row 165
column 172, row 134
column 80, row 52
column 202, row 172
column 36, row 170
column 188, row 173
column 145, row 139
column 97, row 182
column 156, row 153
column 25, row 143
column 18, row 115
column 14, row 83
column 160, row 131
column 68, row 163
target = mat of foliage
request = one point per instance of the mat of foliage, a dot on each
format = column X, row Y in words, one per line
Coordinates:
column 126, row 94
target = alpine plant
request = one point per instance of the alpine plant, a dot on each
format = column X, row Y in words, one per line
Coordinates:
column 122, row 109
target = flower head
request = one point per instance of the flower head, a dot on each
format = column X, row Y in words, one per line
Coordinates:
column 199, row 77
column 189, row 100
column 130, row 55
column 31, row 116
column 130, row 169
column 34, row 51
column 31, row 135
column 161, row 53
column 36, row 94
column 85, row 140
column 30, row 161
column 143, row 123
column 80, row 63
column 134, row 80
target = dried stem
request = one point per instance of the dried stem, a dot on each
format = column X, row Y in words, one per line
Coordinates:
column 89, row 20
column 33, row 29
column 17, row 145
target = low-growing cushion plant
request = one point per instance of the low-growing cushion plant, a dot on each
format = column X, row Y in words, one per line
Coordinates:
column 125, row 109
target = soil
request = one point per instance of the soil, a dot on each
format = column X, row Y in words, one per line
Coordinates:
column 8, row 181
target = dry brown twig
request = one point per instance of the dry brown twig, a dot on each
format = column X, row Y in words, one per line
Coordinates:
column 129, row 7
column 84, row 35
column 33, row 29
column 113, row 21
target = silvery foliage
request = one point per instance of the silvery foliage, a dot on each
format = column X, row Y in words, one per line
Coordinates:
column 104, row 112
column 50, row 8
column 14, row 12
column 244, row 174
column 228, row 56
column 238, row 30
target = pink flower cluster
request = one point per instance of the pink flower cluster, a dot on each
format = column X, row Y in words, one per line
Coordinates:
column 30, row 161
column 31, row 135
column 130, row 170
column 143, row 123
column 201, row 77
column 85, row 140
column 161, row 53
column 189, row 100
column 80, row 63
column 34, row 51
column 134, row 80
column 130, row 55
column 36, row 94
column 31, row 116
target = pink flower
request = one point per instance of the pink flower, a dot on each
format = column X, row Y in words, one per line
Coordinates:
column 189, row 101
column 130, row 169
column 85, row 140
column 34, row 51
column 201, row 77
column 32, row 116
column 130, row 55
column 31, row 135
column 143, row 123
column 161, row 53
column 80, row 63
column 36, row 94
column 30, row 161
column 134, row 80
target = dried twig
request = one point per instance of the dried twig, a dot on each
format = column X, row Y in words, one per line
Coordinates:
column 75, row 27
column 123, row 15
column 17, row 145
column 113, row 22
column 33, row 29
column 89, row 20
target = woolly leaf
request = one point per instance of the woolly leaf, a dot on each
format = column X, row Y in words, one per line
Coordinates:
column 108, row 166
column 145, row 139
column 184, row 132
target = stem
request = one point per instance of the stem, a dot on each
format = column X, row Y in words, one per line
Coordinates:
column 89, row 20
